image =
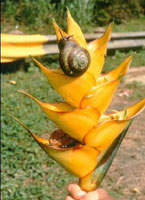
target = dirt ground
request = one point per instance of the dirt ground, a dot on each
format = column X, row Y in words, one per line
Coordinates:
column 128, row 169
column 136, row 74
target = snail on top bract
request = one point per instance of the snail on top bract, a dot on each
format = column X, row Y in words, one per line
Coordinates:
column 74, row 60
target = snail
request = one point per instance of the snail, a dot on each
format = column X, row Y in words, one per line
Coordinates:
column 74, row 60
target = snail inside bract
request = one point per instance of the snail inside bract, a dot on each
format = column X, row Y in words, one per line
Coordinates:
column 61, row 140
column 74, row 60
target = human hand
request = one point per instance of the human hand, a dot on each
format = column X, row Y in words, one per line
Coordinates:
column 77, row 194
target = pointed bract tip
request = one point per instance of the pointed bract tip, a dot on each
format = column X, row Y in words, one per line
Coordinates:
column 68, row 12
column 30, row 56
column 111, row 25
column 28, row 95
column 113, row 22
column 33, row 58
column 134, row 54
column 22, row 124
column 129, row 59
column 54, row 22
column 39, row 140
column 38, row 63
column 23, row 92
column 138, row 108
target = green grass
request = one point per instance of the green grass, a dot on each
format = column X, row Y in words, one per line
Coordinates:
column 115, row 60
column 138, row 90
column 132, row 25
column 36, row 17
column 27, row 172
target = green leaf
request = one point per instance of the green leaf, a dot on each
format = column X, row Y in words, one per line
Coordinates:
column 106, row 158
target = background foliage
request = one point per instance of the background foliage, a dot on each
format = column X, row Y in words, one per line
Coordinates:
column 37, row 15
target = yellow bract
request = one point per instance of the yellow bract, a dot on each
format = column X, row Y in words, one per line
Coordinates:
column 97, row 62
column 74, row 122
column 75, row 30
column 94, row 45
column 71, row 89
column 80, row 160
column 14, row 47
column 126, row 114
column 101, row 96
column 59, row 31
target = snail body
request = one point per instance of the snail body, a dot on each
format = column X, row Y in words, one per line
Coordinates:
column 74, row 60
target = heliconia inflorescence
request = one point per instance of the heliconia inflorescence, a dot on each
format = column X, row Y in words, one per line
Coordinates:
column 88, row 137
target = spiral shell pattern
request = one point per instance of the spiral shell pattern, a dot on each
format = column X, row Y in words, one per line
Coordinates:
column 74, row 60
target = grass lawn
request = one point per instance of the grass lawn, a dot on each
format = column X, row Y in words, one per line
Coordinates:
column 27, row 172
column 132, row 25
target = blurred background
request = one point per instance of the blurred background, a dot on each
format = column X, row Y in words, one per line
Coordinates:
column 27, row 172
column 36, row 16
column 93, row 16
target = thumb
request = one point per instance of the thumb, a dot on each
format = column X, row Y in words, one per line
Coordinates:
column 99, row 194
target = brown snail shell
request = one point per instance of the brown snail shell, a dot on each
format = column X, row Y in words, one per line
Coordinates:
column 74, row 60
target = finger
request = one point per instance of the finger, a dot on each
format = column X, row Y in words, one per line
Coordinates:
column 75, row 191
column 99, row 194
column 103, row 194
column 69, row 198
column 91, row 196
